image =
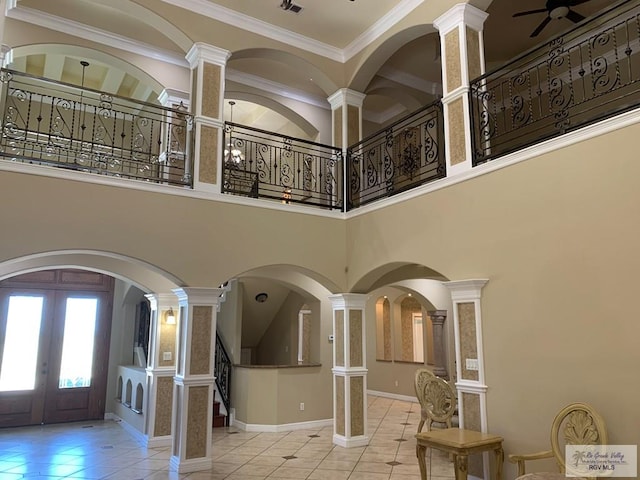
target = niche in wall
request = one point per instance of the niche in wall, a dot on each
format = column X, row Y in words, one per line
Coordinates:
column 383, row 329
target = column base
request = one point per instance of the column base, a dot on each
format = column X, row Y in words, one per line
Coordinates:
column 159, row 442
column 342, row 441
column 192, row 465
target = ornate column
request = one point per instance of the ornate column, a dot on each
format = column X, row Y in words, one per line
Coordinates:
column 194, row 380
column 472, row 391
column 437, row 321
column 161, row 367
column 346, row 128
column 207, row 96
column 349, row 371
column 346, row 117
column 463, row 59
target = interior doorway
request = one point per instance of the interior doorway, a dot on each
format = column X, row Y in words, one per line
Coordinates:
column 54, row 346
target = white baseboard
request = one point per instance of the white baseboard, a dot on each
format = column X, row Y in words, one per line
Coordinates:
column 137, row 434
column 286, row 427
column 394, row 396
column 187, row 466
column 359, row 441
column 159, row 442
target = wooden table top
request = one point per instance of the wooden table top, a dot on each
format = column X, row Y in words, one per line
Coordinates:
column 458, row 438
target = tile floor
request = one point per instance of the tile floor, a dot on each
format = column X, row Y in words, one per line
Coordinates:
column 104, row 450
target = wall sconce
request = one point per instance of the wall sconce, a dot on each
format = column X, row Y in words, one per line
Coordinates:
column 170, row 317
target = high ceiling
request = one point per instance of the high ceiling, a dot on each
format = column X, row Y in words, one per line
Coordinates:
column 410, row 77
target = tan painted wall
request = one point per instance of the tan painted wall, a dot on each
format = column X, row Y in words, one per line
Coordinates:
column 272, row 396
column 557, row 237
column 201, row 242
column 279, row 344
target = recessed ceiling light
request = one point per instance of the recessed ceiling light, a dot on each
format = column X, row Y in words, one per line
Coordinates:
column 261, row 297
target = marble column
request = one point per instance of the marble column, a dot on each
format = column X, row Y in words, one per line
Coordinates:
column 462, row 53
column 208, row 65
column 161, row 367
column 440, row 361
column 349, row 371
column 193, row 392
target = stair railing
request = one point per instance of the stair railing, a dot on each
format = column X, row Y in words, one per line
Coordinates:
column 223, row 375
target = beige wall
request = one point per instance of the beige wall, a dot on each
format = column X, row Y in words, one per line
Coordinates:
column 557, row 237
column 279, row 344
column 272, row 396
column 202, row 243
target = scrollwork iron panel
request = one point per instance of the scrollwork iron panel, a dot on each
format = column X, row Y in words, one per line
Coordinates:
column 588, row 74
column 263, row 164
column 57, row 124
column 404, row 155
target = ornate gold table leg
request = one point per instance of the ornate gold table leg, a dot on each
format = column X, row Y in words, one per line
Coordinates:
column 421, row 453
column 461, row 462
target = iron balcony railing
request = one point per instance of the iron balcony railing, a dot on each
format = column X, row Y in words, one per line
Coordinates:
column 262, row 164
column 585, row 75
column 402, row 156
column 58, row 124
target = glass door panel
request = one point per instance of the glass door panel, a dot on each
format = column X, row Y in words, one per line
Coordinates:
column 77, row 345
column 21, row 342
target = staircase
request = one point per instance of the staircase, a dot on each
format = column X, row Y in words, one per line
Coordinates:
column 223, row 384
column 219, row 420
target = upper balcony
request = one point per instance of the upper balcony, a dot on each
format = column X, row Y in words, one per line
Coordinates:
column 583, row 76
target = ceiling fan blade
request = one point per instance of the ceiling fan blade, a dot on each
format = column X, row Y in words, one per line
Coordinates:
column 573, row 3
column 529, row 12
column 575, row 17
column 540, row 27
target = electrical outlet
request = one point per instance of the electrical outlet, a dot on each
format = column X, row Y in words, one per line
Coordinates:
column 166, row 356
column 396, row 383
column 302, row 407
column 471, row 363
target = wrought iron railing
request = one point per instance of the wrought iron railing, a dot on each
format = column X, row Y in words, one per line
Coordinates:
column 223, row 374
column 583, row 76
column 263, row 164
column 58, row 124
column 404, row 155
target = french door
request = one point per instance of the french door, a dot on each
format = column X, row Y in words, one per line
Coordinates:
column 54, row 347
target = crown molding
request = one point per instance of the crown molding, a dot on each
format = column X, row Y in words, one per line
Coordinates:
column 394, row 15
column 461, row 14
column 59, row 24
column 251, row 24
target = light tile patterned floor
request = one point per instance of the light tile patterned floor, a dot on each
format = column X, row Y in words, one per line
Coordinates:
column 99, row 450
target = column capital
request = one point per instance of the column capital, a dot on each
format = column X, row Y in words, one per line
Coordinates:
column 346, row 96
column 6, row 56
column 198, row 295
column 462, row 13
column 348, row 300
column 203, row 52
column 466, row 289
column 161, row 299
column 437, row 315
column 170, row 96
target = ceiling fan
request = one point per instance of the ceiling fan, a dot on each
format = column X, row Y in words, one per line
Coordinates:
column 555, row 10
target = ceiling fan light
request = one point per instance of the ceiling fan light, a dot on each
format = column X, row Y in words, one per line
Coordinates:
column 559, row 12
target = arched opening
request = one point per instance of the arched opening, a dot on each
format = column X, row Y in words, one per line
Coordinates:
column 139, row 399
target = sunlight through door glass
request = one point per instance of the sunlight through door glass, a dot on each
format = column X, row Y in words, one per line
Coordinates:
column 77, row 345
column 20, row 356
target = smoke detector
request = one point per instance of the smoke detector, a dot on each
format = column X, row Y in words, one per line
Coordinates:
column 289, row 6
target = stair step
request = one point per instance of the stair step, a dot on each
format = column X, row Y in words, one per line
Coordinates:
column 219, row 421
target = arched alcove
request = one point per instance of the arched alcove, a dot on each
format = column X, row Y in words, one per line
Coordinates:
column 139, row 398
column 128, row 394
column 119, row 389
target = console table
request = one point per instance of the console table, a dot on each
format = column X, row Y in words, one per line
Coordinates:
column 461, row 443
